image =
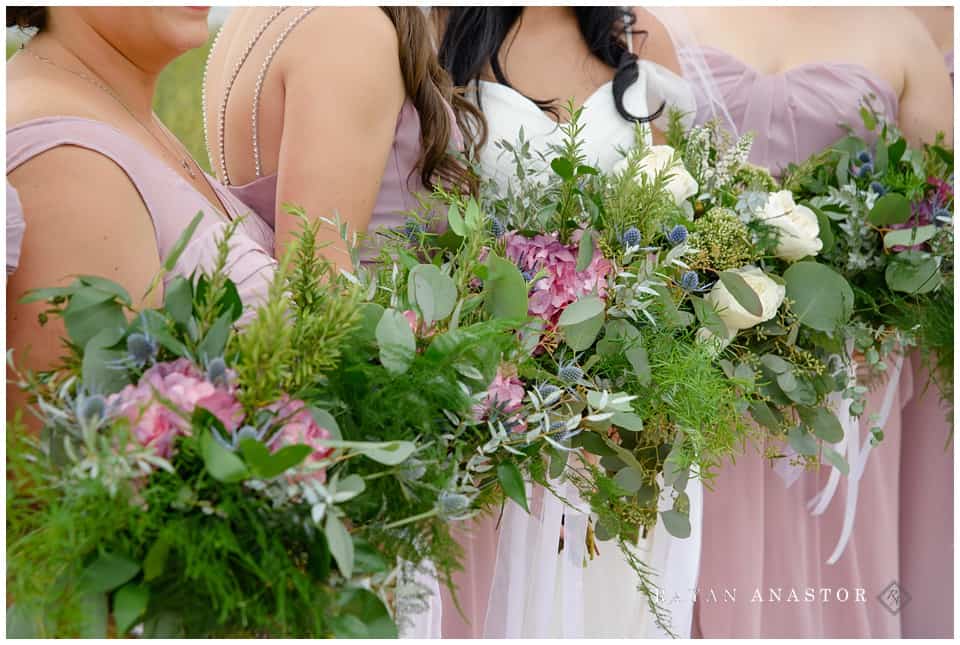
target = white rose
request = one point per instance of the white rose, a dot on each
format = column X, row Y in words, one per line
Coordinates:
column 797, row 226
column 733, row 315
column 681, row 183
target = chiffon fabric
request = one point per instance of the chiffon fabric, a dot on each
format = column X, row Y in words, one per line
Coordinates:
column 764, row 542
column 170, row 200
column 524, row 587
column 926, row 488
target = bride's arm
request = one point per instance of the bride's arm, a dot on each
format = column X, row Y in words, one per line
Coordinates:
column 343, row 92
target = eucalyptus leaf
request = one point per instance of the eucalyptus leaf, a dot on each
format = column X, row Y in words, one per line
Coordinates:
column 433, row 292
column 913, row 273
column 629, row 479
column 676, row 523
column 398, row 345
column 892, row 208
column 802, row 442
column 215, row 341
column 84, row 324
column 742, row 292
column 822, row 423
column 222, row 464
column 99, row 365
column 505, row 290
column 562, row 167
column 909, row 236
column 822, row 298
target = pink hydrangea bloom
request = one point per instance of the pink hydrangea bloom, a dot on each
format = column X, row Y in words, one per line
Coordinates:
column 159, row 406
column 563, row 284
column 504, row 395
column 299, row 427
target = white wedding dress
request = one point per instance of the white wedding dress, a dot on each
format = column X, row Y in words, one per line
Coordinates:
column 536, row 591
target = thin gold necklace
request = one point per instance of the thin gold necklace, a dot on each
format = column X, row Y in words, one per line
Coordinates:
column 187, row 163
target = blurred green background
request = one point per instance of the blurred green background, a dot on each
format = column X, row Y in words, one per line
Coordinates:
column 178, row 98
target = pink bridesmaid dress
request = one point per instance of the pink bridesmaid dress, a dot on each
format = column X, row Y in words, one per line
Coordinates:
column 171, row 201
column 400, row 188
column 926, row 489
column 764, row 568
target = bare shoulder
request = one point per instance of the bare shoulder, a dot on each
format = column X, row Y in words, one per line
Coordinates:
column 93, row 221
column 34, row 98
column 344, row 35
column 656, row 45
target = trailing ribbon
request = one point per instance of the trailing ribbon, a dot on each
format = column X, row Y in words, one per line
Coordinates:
column 856, row 456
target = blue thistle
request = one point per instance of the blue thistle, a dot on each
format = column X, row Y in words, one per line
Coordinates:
column 878, row 188
column 570, row 373
column 92, row 408
column 689, row 281
column 497, row 227
column 527, row 275
column 631, row 236
column 547, row 389
column 865, row 157
column 865, row 170
column 677, row 235
column 412, row 229
column 217, row 371
column 141, row 348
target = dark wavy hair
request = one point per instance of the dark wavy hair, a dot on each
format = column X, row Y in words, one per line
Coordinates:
column 430, row 89
column 27, row 17
column 474, row 36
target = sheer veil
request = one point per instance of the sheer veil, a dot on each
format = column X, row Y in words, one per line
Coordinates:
column 694, row 68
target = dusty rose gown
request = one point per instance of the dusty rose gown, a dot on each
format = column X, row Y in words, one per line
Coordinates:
column 926, row 487
column 760, row 540
column 170, row 200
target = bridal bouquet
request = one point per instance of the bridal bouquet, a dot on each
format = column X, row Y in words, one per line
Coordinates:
column 607, row 387
column 288, row 478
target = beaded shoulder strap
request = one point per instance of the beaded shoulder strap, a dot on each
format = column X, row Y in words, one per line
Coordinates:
column 222, row 111
column 259, row 85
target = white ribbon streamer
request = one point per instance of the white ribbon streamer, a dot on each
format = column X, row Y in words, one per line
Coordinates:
column 856, row 457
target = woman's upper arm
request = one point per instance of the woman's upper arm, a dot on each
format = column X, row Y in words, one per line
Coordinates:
column 657, row 45
column 90, row 221
column 339, row 120
column 926, row 103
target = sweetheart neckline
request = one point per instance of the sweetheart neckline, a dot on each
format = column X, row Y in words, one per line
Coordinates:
column 863, row 69
column 527, row 101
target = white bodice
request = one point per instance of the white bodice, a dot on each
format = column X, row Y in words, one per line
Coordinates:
column 604, row 133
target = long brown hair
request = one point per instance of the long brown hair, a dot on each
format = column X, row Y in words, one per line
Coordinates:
column 430, row 89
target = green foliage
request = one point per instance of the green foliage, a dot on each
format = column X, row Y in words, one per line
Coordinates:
column 723, row 241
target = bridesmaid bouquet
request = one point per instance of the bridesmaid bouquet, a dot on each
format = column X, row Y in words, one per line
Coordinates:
column 887, row 221
column 290, row 478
